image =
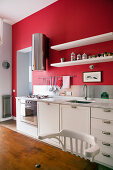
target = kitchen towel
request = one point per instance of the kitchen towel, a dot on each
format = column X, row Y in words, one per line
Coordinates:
column 66, row 82
column 59, row 82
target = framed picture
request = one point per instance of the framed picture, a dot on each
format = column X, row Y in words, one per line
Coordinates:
column 90, row 77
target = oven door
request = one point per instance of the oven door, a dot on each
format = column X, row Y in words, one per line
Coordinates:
column 29, row 112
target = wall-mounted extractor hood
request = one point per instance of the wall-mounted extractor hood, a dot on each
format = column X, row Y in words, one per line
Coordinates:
column 39, row 51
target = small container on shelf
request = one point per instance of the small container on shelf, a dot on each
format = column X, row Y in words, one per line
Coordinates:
column 62, row 60
column 98, row 55
column 90, row 57
column 94, row 56
column 73, row 56
column 79, row 57
column 102, row 55
column 105, row 54
column 84, row 56
column 110, row 54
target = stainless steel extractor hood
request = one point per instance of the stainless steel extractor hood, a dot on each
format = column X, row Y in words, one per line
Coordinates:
column 39, row 51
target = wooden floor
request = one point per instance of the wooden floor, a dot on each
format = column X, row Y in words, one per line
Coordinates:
column 19, row 152
column 11, row 124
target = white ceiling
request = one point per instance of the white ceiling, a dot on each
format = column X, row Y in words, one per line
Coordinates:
column 13, row 11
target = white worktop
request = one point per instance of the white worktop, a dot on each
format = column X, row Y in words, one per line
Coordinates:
column 95, row 102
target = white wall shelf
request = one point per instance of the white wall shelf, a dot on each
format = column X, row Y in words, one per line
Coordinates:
column 85, row 61
column 85, row 41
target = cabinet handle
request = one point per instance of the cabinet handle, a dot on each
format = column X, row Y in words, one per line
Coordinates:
column 74, row 107
column 106, row 155
column 47, row 103
column 106, row 133
column 106, row 144
column 106, row 121
column 107, row 110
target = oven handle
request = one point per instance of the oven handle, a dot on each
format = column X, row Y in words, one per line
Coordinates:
column 27, row 107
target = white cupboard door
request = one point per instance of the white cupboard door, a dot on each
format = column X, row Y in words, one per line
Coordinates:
column 48, row 118
column 75, row 118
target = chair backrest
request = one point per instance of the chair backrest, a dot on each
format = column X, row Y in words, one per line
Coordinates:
column 76, row 143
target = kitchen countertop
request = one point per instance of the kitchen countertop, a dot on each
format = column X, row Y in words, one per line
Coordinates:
column 96, row 102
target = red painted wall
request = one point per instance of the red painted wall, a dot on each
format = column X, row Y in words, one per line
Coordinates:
column 63, row 21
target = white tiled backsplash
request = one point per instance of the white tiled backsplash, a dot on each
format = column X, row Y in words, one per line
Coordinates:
column 44, row 90
column 94, row 91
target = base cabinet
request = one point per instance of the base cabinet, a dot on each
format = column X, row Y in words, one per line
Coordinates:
column 75, row 118
column 54, row 117
column 102, row 129
column 48, row 120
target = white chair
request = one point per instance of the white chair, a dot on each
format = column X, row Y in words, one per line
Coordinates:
column 81, row 144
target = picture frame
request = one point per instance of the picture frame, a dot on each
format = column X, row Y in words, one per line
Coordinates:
column 92, row 77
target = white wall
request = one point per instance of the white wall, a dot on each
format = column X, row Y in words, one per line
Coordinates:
column 6, row 55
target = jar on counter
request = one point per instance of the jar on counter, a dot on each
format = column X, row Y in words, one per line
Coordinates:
column 79, row 57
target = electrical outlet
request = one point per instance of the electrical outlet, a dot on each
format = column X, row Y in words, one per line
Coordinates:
column 68, row 93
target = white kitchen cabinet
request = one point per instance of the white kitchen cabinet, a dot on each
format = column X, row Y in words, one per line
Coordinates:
column 24, row 127
column 48, row 120
column 74, row 118
column 102, row 129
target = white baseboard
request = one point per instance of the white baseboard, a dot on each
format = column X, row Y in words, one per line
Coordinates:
column 7, row 118
column 14, row 118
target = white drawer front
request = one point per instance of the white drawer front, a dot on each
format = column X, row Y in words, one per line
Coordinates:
column 106, row 147
column 102, row 124
column 102, row 135
column 104, row 158
column 102, row 113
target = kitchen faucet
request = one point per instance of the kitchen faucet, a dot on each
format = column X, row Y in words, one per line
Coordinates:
column 85, row 91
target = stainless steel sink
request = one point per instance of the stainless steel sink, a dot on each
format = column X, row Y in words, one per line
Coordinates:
column 80, row 101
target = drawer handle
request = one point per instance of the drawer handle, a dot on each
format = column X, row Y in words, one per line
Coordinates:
column 106, row 133
column 106, row 155
column 74, row 107
column 107, row 110
column 106, row 144
column 107, row 122
column 47, row 103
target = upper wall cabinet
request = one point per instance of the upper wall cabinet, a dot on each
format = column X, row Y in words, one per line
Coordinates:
column 85, row 41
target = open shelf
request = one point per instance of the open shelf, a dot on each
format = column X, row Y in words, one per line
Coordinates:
column 85, row 61
column 85, row 41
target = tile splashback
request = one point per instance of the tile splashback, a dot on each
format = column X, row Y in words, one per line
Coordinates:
column 93, row 91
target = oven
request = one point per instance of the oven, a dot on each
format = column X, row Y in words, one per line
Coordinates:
column 29, row 113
